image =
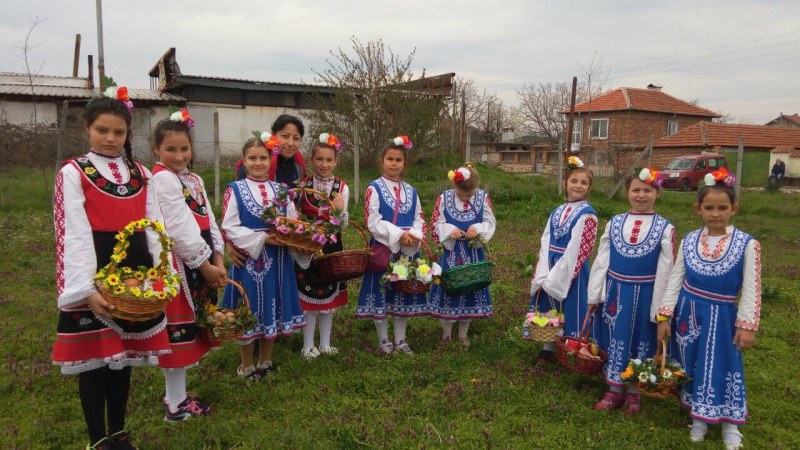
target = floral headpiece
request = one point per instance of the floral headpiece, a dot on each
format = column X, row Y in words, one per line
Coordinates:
column 121, row 94
column 270, row 142
column 651, row 177
column 459, row 175
column 404, row 141
column 574, row 163
column 720, row 176
column 182, row 116
column 331, row 141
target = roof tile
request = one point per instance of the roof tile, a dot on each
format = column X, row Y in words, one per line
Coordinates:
column 624, row 99
column 707, row 134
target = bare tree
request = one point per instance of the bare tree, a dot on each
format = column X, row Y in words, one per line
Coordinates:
column 373, row 87
column 25, row 49
column 468, row 97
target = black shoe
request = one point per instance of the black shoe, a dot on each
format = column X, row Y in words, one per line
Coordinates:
column 546, row 357
column 121, row 440
column 190, row 407
column 102, row 444
column 263, row 371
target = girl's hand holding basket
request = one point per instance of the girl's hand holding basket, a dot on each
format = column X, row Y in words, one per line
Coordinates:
column 656, row 377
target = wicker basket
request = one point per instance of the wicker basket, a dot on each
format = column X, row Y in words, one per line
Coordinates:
column 302, row 241
column 219, row 333
column 469, row 277
column 568, row 354
column 546, row 333
column 346, row 264
column 414, row 286
column 662, row 389
column 126, row 305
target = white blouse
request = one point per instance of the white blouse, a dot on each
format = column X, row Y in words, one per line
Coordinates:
column 77, row 263
column 181, row 225
column 556, row 281
column 384, row 231
column 326, row 185
column 666, row 259
column 748, row 315
column 441, row 229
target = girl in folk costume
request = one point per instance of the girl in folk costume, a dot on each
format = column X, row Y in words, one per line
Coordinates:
column 462, row 213
column 562, row 271
column 629, row 276
column 267, row 274
column 394, row 216
column 197, row 254
column 714, row 265
column 97, row 195
column 317, row 298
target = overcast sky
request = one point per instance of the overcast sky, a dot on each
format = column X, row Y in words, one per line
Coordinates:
column 740, row 57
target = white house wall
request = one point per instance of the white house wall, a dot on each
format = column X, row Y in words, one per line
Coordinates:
column 21, row 113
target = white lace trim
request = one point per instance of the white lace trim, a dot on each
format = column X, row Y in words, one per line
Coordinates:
column 75, row 299
column 643, row 248
column 388, row 196
column 733, row 254
column 115, row 362
column 459, row 214
column 147, row 334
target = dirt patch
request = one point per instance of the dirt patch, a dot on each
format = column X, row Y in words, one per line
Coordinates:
column 9, row 276
column 789, row 271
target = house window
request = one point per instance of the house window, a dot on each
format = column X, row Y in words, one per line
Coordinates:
column 507, row 157
column 524, row 157
column 577, row 131
column 672, row 127
column 598, row 128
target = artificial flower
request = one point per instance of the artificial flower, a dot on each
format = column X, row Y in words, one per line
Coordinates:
column 403, row 141
column 401, row 271
column 574, row 162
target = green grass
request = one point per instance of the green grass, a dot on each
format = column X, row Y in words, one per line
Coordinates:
column 491, row 396
column 755, row 168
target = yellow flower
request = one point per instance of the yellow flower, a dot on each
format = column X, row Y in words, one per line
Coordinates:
column 172, row 291
column 89, row 170
column 147, row 294
column 158, row 227
column 135, row 291
column 144, row 223
column 130, row 227
column 152, row 273
column 138, row 275
column 120, row 236
column 119, row 290
column 112, row 279
column 185, row 192
column 423, row 269
column 210, row 307
column 100, row 275
column 161, row 295
column 116, row 258
column 127, row 270
column 123, row 255
column 628, row 373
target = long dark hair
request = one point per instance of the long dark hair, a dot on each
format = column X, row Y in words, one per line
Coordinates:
column 106, row 105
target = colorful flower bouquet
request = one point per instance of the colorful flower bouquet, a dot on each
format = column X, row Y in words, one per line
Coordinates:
column 141, row 293
column 545, row 326
column 305, row 236
column 655, row 377
column 412, row 275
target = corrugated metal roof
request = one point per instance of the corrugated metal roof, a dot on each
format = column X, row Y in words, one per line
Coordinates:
column 67, row 92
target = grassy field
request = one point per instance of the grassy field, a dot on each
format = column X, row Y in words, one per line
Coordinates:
column 491, row 396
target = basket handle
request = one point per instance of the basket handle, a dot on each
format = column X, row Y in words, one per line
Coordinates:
column 240, row 289
column 362, row 231
column 424, row 245
column 661, row 355
column 586, row 328
column 163, row 240
column 536, row 302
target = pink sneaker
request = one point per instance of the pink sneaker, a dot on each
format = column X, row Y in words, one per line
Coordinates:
column 632, row 404
column 610, row 400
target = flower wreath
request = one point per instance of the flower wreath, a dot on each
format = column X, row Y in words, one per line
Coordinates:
column 182, row 116
column 331, row 141
column 404, row 141
column 120, row 94
column 141, row 282
column 651, row 176
column 459, row 175
column 270, row 141
column 720, row 176
column 573, row 162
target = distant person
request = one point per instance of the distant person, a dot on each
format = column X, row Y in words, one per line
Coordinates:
column 778, row 171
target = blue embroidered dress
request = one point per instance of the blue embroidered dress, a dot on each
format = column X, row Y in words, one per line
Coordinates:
column 562, row 271
column 450, row 213
column 633, row 263
column 268, row 275
column 705, row 285
column 377, row 299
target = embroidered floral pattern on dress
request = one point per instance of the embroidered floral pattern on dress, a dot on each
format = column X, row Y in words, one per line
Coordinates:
column 389, row 196
column 715, row 268
column 587, row 243
column 192, row 191
column 637, row 227
column 463, row 212
column 115, row 172
column 129, row 189
column 754, row 324
column 636, row 250
column 58, row 218
column 717, row 248
column 560, row 227
column 255, row 207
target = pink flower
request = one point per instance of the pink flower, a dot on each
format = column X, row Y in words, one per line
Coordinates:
column 333, row 238
column 283, row 229
column 335, row 221
column 394, row 277
column 300, row 229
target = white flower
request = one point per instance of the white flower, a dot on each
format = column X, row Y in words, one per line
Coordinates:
column 464, row 172
column 709, row 180
column 643, row 377
column 323, row 138
column 653, row 379
column 122, row 190
column 637, row 362
column 398, row 141
column 177, row 116
column 436, row 270
column 401, row 271
column 644, row 174
column 666, row 374
column 265, row 136
column 111, row 92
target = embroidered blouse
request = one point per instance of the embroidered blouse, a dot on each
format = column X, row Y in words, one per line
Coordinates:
column 480, row 200
column 384, row 231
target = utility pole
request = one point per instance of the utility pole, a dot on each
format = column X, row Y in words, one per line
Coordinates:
column 101, row 66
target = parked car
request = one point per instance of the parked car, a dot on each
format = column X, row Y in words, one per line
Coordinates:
column 685, row 172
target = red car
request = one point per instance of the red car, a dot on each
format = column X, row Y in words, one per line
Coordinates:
column 685, row 172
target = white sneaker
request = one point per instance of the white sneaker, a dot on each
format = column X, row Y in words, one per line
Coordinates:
column 328, row 350
column 732, row 440
column 403, row 346
column 387, row 347
column 310, row 353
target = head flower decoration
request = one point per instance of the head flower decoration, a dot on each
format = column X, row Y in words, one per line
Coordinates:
column 459, row 175
column 183, row 117
column 651, row 177
column 574, row 163
column 331, row 141
column 270, row 142
column 404, row 141
column 720, row 176
column 121, row 94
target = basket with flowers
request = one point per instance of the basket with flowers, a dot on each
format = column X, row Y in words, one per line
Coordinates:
column 544, row 326
column 139, row 293
column 656, row 377
column 581, row 354
column 413, row 275
column 218, row 325
column 308, row 237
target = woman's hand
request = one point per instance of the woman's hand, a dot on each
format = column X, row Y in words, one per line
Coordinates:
column 408, row 239
column 744, row 338
column 99, row 305
column 456, row 234
column 663, row 330
column 237, row 258
column 471, row 232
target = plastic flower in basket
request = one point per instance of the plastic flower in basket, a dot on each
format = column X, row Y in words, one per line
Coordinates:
column 409, row 269
column 650, row 377
column 320, row 231
column 551, row 318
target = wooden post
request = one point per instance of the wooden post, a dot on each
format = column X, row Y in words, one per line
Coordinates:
column 77, row 56
column 739, row 164
column 101, row 66
column 462, row 145
column 468, row 149
column 647, row 151
column 91, row 72
column 356, row 163
column 216, row 159
column 650, row 153
column 62, row 128
column 570, row 119
column 560, row 165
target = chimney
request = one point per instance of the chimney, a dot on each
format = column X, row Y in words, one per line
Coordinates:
column 508, row 135
column 653, row 87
